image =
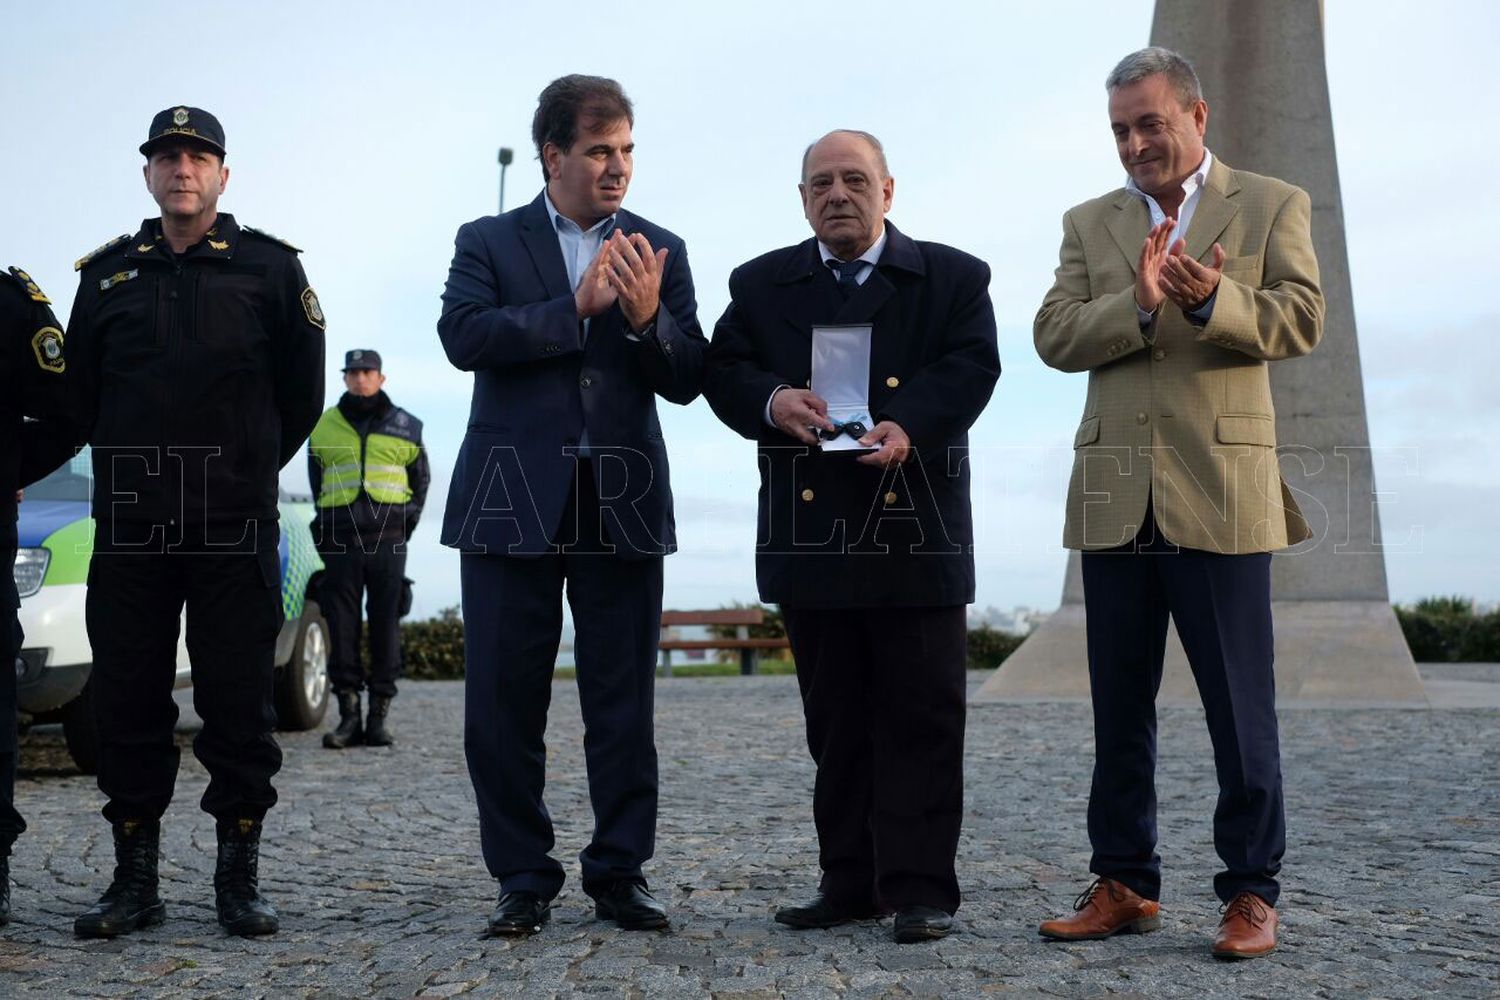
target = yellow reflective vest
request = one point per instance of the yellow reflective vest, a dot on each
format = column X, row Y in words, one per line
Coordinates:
column 375, row 464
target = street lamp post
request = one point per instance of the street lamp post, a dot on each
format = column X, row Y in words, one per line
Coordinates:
column 506, row 156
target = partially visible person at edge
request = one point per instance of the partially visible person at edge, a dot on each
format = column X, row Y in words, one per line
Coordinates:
column 369, row 478
column 1176, row 293
column 196, row 372
column 35, row 438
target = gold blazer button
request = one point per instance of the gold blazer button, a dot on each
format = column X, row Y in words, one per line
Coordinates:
column 892, row 382
column 807, row 495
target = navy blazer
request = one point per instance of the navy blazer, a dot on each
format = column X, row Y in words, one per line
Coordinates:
column 509, row 317
column 834, row 533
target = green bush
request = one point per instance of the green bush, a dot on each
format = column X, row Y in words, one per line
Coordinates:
column 1447, row 630
column 989, row 647
column 433, row 649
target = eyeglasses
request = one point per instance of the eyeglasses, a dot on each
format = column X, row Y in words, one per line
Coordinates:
column 854, row 428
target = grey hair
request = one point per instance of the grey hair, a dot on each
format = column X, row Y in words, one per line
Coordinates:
column 885, row 171
column 1156, row 60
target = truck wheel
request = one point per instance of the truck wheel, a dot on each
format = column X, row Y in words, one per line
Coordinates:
column 302, row 685
column 79, row 731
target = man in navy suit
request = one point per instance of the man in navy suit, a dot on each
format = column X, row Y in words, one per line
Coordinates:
column 870, row 557
column 573, row 316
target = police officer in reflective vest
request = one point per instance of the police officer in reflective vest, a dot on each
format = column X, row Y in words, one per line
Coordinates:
column 369, row 473
column 35, row 437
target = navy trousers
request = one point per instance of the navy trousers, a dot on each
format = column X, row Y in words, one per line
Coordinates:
column 512, row 610
column 883, row 692
column 1221, row 605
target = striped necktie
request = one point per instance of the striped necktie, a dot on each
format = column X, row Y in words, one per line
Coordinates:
column 847, row 271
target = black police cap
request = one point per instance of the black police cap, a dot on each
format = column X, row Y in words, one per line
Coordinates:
column 183, row 122
column 357, row 359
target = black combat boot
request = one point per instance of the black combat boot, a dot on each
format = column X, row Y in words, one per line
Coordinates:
column 131, row 900
column 4, row 884
column 237, row 896
column 350, row 731
column 376, row 735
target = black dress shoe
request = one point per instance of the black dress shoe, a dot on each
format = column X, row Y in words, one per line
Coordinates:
column 632, row 906
column 519, row 914
column 821, row 911
column 922, row 923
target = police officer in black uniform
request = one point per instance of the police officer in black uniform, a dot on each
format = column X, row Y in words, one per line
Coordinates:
column 31, row 386
column 369, row 478
column 196, row 368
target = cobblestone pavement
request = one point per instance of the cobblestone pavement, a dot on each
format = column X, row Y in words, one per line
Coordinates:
column 1391, row 885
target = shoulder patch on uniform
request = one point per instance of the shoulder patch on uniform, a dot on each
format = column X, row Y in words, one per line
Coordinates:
column 267, row 236
column 32, row 290
column 78, row 264
column 403, row 425
column 47, row 345
column 313, row 308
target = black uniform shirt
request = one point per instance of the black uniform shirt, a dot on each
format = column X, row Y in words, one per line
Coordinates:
column 196, row 376
column 31, row 386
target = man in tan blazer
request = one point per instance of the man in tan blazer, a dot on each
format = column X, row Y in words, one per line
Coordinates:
column 1174, row 293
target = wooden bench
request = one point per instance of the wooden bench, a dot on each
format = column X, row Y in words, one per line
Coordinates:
column 741, row 618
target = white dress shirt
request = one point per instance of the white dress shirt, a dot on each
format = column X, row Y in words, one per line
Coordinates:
column 1192, row 187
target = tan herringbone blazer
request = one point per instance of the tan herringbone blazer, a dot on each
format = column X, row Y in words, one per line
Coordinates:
column 1176, row 412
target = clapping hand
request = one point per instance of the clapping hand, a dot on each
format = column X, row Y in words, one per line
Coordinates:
column 634, row 271
column 1154, row 252
column 1188, row 283
column 595, row 294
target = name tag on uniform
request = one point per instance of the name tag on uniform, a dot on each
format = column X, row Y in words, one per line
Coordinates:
column 105, row 284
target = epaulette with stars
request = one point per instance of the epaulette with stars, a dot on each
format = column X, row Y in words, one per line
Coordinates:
column 26, row 282
column 267, row 236
column 78, row 264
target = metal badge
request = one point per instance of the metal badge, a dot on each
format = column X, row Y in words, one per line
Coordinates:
column 105, row 284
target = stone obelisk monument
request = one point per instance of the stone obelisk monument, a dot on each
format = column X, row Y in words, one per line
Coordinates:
column 1337, row 639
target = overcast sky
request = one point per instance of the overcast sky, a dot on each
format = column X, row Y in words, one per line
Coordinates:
column 366, row 134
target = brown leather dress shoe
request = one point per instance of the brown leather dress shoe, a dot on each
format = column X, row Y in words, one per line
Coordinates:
column 1103, row 909
column 1248, row 929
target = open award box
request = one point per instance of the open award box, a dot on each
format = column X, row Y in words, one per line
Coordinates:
column 841, row 376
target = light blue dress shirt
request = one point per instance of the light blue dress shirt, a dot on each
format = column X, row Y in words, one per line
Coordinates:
column 579, row 247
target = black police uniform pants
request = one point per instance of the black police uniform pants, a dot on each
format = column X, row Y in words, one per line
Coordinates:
column 883, row 693
column 135, row 599
column 1221, row 605
column 378, row 574
column 11, row 823
column 512, row 611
